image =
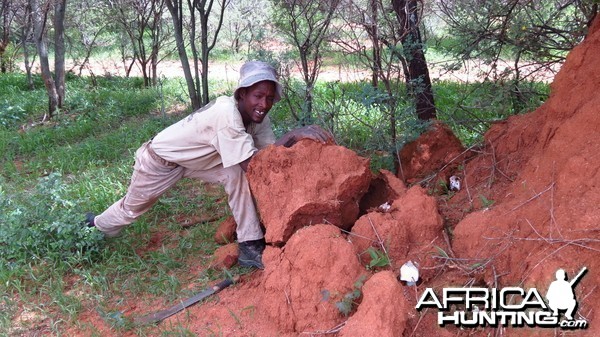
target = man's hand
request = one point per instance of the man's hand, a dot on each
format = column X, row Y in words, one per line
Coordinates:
column 313, row 132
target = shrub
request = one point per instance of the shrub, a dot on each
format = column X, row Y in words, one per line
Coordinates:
column 45, row 224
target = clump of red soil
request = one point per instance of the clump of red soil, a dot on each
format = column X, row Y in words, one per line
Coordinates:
column 382, row 311
column 226, row 231
column 303, row 281
column 306, row 184
column 225, row 256
column 408, row 231
column 434, row 156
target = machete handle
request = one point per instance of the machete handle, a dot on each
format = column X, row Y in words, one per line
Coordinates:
column 224, row 284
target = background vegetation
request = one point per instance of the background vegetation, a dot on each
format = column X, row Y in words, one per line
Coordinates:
column 58, row 164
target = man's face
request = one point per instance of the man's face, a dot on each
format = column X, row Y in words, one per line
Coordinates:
column 256, row 101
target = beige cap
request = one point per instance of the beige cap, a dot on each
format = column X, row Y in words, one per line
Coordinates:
column 256, row 71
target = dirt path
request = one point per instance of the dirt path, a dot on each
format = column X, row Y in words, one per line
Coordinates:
column 228, row 71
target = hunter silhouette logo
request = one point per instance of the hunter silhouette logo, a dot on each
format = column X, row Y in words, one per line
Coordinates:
column 508, row 306
column 561, row 294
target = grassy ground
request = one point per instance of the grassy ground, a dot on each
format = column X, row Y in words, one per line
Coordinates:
column 52, row 269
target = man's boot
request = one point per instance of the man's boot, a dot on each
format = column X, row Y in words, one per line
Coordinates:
column 250, row 253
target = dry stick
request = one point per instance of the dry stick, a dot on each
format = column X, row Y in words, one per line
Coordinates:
column 495, row 166
column 530, row 199
column 583, row 299
column 418, row 322
column 467, row 186
column 379, row 239
column 333, row 330
column 552, row 218
column 447, row 239
column 536, row 232
column 400, row 165
column 459, row 263
column 354, row 234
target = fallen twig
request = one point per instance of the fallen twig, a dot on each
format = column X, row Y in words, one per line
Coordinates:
column 379, row 238
column 532, row 198
column 333, row 330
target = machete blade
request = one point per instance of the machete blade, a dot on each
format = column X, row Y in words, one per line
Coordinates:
column 161, row 315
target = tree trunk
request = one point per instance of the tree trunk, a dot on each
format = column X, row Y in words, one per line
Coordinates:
column 204, row 50
column 5, row 33
column 39, row 23
column 25, row 30
column 418, row 81
column 59, row 51
column 374, row 35
column 176, row 9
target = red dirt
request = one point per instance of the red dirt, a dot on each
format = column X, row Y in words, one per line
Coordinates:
column 382, row 310
column 409, row 230
column 437, row 154
column 528, row 206
column 307, row 184
column 303, row 281
column 226, row 231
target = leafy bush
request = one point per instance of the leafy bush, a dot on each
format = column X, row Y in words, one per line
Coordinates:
column 45, row 224
column 470, row 109
column 17, row 101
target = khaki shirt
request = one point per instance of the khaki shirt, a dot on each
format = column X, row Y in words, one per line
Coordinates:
column 212, row 135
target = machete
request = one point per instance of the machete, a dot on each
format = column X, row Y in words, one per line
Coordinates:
column 161, row 315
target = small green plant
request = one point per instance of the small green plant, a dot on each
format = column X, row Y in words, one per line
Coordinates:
column 378, row 259
column 442, row 187
column 485, row 202
column 238, row 321
column 442, row 253
column 349, row 301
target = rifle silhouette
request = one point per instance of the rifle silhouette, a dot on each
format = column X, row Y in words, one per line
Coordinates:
column 577, row 277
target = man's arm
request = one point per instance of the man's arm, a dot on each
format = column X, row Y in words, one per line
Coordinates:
column 313, row 132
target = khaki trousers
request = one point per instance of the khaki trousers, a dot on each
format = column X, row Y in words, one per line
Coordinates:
column 153, row 176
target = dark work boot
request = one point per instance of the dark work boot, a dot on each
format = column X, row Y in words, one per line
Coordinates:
column 251, row 253
column 89, row 220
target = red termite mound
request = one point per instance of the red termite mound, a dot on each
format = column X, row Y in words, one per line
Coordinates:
column 545, row 214
column 303, row 281
column 433, row 156
column 382, row 311
column 306, row 184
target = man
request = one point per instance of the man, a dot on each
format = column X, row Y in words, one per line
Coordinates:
column 214, row 144
column 561, row 296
